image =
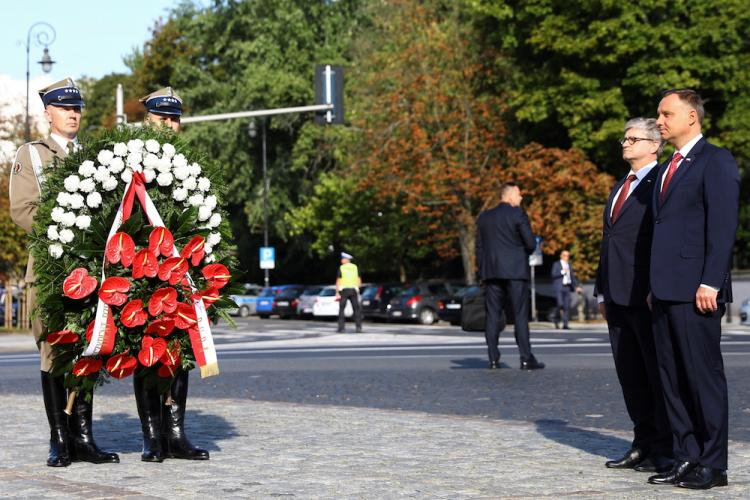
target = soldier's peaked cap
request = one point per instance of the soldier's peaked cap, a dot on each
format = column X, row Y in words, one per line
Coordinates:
column 63, row 93
column 163, row 102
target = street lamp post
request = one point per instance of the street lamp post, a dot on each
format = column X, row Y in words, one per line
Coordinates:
column 45, row 35
column 252, row 132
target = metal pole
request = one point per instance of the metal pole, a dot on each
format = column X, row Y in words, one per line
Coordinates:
column 255, row 114
column 120, row 116
column 265, row 197
column 43, row 37
column 533, row 296
column 26, row 128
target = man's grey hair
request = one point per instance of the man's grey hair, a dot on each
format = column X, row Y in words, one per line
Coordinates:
column 649, row 126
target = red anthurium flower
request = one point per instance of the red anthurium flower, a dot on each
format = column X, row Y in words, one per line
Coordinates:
column 173, row 269
column 121, row 365
column 86, row 366
column 167, row 371
column 79, row 284
column 194, row 250
column 151, row 350
column 163, row 300
column 161, row 241
column 217, row 275
column 145, row 264
column 171, row 356
column 185, row 317
column 133, row 314
column 209, row 296
column 120, row 248
column 161, row 327
column 62, row 337
column 114, row 290
column 109, row 329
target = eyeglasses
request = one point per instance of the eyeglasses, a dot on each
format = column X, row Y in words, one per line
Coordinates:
column 633, row 140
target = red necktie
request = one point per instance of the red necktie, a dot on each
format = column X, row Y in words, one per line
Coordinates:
column 622, row 196
column 670, row 172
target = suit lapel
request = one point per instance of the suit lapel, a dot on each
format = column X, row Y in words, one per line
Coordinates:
column 55, row 148
column 644, row 183
column 611, row 201
column 682, row 170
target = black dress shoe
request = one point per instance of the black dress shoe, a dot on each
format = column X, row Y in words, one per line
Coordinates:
column 655, row 463
column 679, row 470
column 703, row 478
column 531, row 364
column 632, row 457
column 494, row 365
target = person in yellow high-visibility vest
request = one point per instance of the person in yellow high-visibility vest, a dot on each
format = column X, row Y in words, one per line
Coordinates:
column 347, row 289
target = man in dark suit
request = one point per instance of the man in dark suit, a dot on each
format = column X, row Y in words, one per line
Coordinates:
column 504, row 242
column 696, row 203
column 564, row 282
column 622, row 288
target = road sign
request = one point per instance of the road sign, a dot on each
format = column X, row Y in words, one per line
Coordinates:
column 329, row 89
column 535, row 259
column 267, row 258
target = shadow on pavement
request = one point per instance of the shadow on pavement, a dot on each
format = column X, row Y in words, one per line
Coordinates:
column 472, row 364
column 586, row 440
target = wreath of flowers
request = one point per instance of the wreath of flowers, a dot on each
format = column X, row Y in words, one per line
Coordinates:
column 148, row 276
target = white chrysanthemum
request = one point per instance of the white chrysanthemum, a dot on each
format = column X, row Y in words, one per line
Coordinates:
column 94, row 199
column 150, row 161
column 179, row 194
column 101, row 174
column 152, row 146
column 164, row 179
column 76, row 201
column 134, row 160
column 204, row 184
column 109, row 183
column 190, row 183
column 209, row 259
column 149, row 174
column 210, row 201
column 126, row 175
column 213, row 239
column 196, row 200
column 57, row 214
column 195, row 169
column 56, row 250
column 66, row 235
column 164, row 165
column 63, row 199
column 87, row 185
column 87, row 169
column 52, row 233
column 214, row 221
column 204, row 213
column 68, row 219
column 105, row 156
column 179, row 161
column 168, row 150
column 83, row 222
column 116, row 165
column 71, row 183
column 208, row 249
column 120, row 149
column 181, row 173
column 135, row 145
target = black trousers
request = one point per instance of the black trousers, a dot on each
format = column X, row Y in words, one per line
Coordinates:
column 497, row 293
column 634, row 352
column 695, row 387
column 563, row 304
column 352, row 295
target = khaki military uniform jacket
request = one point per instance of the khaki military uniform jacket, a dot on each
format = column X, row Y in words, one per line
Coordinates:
column 26, row 186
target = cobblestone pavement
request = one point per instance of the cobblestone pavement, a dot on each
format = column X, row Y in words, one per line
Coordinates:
column 267, row 450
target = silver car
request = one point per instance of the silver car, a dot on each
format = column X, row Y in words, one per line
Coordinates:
column 307, row 300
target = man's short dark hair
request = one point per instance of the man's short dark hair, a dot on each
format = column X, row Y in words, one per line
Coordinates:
column 507, row 186
column 691, row 98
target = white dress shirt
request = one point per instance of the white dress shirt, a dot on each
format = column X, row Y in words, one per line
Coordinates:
column 63, row 141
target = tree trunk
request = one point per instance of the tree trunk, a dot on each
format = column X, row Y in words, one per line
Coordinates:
column 467, row 244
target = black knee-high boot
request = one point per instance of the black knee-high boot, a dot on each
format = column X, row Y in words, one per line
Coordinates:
column 148, row 403
column 174, row 441
column 55, row 394
column 83, row 448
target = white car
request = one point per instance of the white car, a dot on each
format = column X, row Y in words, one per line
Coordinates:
column 326, row 305
column 306, row 301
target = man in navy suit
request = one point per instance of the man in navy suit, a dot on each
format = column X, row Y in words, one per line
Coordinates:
column 696, row 203
column 503, row 244
column 622, row 288
column 564, row 282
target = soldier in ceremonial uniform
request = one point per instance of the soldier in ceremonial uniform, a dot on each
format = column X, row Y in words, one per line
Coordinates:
column 347, row 288
column 71, row 437
column 163, row 416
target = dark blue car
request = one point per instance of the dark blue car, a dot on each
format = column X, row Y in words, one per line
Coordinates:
column 264, row 307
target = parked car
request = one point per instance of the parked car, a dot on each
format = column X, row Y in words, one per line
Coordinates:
column 264, row 304
column 420, row 301
column 247, row 301
column 376, row 297
column 745, row 312
column 285, row 302
column 307, row 300
column 326, row 305
column 450, row 309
